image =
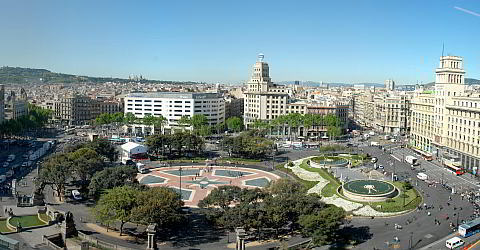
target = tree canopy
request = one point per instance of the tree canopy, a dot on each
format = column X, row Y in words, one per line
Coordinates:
column 111, row 177
column 248, row 145
column 235, row 124
column 283, row 206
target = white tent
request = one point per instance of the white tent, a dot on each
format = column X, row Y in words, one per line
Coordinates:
column 132, row 148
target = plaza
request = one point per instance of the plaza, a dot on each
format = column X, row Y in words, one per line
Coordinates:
column 195, row 182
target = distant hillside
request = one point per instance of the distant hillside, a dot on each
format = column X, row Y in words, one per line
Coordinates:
column 17, row 75
column 468, row 81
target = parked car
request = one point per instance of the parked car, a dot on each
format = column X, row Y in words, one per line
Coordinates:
column 76, row 195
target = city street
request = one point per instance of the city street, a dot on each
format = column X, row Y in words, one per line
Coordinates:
column 417, row 226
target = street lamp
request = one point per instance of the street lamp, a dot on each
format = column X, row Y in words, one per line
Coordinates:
column 180, row 170
column 411, row 240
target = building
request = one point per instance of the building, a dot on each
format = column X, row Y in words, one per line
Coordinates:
column 446, row 122
column 233, row 107
column 2, row 103
column 264, row 100
column 383, row 112
column 74, row 109
column 15, row 106
column 173, row 106
column 390, row 85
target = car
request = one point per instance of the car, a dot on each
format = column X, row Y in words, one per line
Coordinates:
column 76, row 195
column 374, row 159
column 380, row 167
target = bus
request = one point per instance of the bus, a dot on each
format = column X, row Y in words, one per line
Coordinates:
column 470, row 228
column 453, row 164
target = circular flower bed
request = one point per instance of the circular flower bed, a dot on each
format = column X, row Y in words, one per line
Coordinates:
column 368, row 190
column 328, row 162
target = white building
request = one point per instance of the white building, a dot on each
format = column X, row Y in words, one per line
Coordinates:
column 390, row 85
column 174, row 105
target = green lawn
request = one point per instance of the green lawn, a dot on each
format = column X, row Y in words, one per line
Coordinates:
column 26, row 221
column 331, row 188
column 3, row 226
column 412, row 200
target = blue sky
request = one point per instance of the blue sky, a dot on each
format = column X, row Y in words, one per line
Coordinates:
column 218, row 41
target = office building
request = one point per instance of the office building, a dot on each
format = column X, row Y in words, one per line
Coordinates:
column 173, row 106
column 446, row 122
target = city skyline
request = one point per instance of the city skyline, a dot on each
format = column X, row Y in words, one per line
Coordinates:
column 345, row 41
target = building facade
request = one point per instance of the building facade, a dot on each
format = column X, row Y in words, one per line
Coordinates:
column 263, row 100
column 16, row 106
column 2, row 103
column 74, row 109
column 446, row 123
column 383, row 112
column 390, row 85
column 173, row 106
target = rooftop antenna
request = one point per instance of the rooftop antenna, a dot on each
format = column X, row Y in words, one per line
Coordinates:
column 443, row 48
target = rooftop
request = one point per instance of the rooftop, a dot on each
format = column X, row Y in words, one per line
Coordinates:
column 178, row 95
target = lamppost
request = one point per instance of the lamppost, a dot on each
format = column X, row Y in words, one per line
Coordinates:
column 180, row 170
column 411, row 240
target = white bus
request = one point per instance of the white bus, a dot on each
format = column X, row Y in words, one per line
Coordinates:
column 422, row 176
column 454, row 243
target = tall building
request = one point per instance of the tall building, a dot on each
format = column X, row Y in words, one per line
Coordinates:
column 16, row 106
column 446, row 123
column 2, row 103
column 390, row 85
column 263, row 99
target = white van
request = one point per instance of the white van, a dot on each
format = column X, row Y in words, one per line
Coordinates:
column 454, row 243
column 374, row 143
column 422, row 176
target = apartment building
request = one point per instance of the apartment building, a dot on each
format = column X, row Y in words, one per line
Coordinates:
column 264, row 100
column 446, row 123
column 233, row 107
column 15, row 106
column 74, row 109
column 173, row 106
column 2, row 103
column 383, row 112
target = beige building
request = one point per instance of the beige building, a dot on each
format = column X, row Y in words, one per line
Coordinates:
column 16, row 106
column 74, row 109
column 263, row 100
column 386, row 113
column 446, row 123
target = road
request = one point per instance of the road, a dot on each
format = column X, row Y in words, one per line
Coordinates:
column 421, row 228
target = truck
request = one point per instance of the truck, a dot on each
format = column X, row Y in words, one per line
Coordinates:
column 374, row 143
column 141, row 168
column 411, row 160
column 422, row 176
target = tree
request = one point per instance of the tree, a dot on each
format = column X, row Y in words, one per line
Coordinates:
column 85, row 163
column 235, row 124
column 117, row 204
column 55, row 172
column 323, row 225
column 222, row 197
column 110, row 178
column 198, row 121
column 159, row 205
column 104, row 148
column 248, row 145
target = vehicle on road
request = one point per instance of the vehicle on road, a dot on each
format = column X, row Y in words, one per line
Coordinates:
column 141, row 168
column 422, row 176
column 374, row 160
column 380, row 167
column 76, row 195
column 374, row 143
column 454, row 243
column 470, row 228
column 453, row 164
column 412, row 160
column 127, row 161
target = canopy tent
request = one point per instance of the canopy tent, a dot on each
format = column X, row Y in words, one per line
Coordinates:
column 130, row 149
